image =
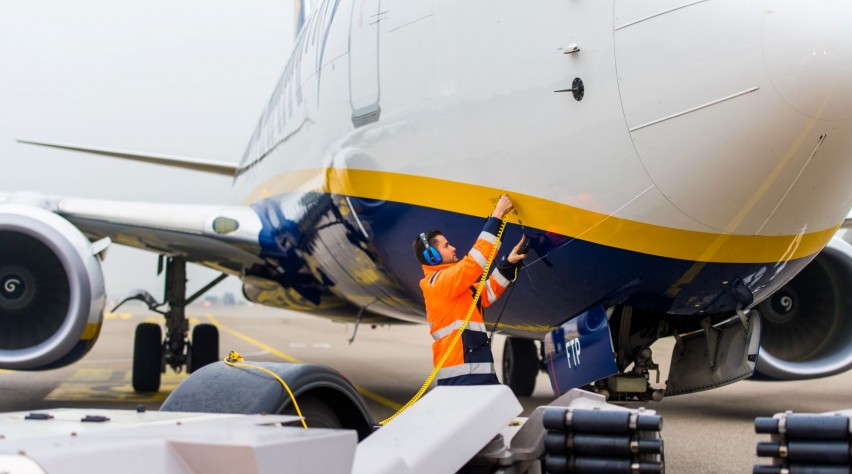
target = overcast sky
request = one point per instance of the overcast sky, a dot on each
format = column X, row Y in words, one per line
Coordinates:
column 179, row 77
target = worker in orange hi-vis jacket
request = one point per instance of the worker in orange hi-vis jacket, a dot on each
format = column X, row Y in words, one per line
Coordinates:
column 449, row 285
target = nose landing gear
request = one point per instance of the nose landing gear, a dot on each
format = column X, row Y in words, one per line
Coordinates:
column 633, row 384
column 634, row 359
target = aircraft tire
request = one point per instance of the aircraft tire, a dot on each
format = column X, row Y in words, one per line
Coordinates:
column 520, row 365
column 317, row 413
column 325, row 397
column 147, row 357
column 205, row 347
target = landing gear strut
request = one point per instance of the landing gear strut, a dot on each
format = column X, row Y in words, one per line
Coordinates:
column 151, row 353
column 634, row 361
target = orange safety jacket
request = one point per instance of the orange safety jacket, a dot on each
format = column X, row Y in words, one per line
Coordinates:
column 448, row 290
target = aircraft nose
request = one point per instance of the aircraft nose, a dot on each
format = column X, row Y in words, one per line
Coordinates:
column 741, row 112
column 808, row 53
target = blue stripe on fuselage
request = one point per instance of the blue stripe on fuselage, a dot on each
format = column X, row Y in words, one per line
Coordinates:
column 563, row 276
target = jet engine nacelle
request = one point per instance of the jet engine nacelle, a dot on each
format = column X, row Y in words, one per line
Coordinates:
column 807, row 324
column 51, row 290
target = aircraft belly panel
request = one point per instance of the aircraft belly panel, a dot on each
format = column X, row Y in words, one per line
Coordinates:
column 563, row 276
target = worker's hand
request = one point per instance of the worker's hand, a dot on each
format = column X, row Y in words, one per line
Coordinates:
column 504, row 205
column 514, row 256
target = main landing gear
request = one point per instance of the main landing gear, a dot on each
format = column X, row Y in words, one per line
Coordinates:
column 152, row 353
column 521, row 365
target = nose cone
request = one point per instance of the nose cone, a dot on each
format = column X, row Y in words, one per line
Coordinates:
column 808, row 53
column 741, row 112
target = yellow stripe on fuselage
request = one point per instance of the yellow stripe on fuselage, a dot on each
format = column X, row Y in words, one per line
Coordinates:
column 549, row 216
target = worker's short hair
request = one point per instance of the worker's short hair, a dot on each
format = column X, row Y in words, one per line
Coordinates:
column 419, row 247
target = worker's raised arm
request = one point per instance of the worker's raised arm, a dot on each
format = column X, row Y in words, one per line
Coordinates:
column 467, row 272
column 461, row 276
column 507, row 271
column 504, row 205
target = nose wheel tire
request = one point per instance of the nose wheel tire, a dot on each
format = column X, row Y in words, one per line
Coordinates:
column 520, row 365
column 147, row 357
column 205, row 347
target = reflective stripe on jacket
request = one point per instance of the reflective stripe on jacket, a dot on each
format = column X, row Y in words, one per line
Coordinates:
column 447, row 291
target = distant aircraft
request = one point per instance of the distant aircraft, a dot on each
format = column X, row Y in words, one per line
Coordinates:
column 679, row 166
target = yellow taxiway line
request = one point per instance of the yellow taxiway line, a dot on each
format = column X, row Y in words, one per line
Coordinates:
column 372, row 396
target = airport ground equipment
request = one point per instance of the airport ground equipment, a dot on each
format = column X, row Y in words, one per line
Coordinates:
column 62, row 441
column 596, row 441
column 479, row 422
column 326, row 398
column 473, row 429
column 451, row 429
column 805, row 443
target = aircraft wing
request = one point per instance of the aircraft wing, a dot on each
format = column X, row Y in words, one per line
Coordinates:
column 51, row 246
column 221, row 237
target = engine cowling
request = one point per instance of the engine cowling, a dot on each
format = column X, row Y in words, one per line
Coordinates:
column 807, row 324
column 52, row 293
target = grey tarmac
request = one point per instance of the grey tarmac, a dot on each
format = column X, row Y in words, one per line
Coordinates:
column 707, row 432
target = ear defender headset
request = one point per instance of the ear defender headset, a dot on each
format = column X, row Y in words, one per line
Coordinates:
column 430, row 253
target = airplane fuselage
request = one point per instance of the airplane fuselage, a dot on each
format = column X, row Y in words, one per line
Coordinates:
column 700, row 169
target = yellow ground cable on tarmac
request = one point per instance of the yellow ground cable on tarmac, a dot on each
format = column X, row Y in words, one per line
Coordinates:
column 459, row 331
column 234, row 359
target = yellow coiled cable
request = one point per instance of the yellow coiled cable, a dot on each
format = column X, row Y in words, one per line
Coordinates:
column 234, row 359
